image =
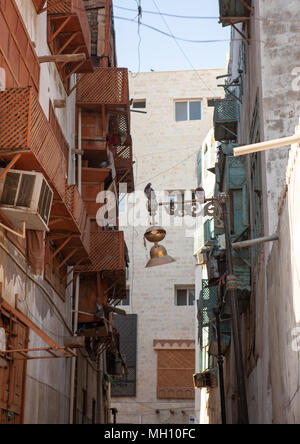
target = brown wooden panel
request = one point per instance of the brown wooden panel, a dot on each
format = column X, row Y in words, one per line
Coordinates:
column 12, row 379
column 175, row 369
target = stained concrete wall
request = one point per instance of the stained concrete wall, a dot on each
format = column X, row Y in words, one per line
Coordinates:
column 283, row 291
column 165, row 153
column 271, row 60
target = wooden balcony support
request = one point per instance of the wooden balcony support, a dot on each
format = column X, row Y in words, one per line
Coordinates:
column 69, row 33
column 67, row 58
column 9, row 166
column 58, row 250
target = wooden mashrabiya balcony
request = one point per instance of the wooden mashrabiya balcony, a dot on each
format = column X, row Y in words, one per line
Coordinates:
column 27, row 139
column 69, row 33
column 108, row 88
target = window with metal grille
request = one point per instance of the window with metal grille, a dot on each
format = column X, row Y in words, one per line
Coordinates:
column 175, row 369
column 127, row 328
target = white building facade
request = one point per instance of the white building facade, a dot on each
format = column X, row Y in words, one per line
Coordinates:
column 171, row 121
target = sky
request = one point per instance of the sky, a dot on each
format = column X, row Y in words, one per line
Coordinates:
column 161, row 53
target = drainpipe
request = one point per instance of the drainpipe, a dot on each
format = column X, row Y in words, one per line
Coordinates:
column 232, row 289
column 221, row 369
column 74, row 360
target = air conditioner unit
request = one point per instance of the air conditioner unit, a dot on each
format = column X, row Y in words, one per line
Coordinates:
column 26, row 197
column 205, row 380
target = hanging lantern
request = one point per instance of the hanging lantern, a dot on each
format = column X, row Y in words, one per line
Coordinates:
column 158, row 253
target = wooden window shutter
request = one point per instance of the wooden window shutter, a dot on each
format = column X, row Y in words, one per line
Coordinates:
column 175, row 369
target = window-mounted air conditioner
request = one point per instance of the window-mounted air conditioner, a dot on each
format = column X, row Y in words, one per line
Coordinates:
column 205, row 380
column 26, row 197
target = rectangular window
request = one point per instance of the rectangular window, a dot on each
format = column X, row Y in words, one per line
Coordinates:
column 188, row 110
column 127, row 328
column 139, row 104
column 127, row 301
column 185, row 296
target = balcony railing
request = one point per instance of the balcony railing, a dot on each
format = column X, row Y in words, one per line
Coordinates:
column 25, row 130
column 226, row 118
column 234, row 11
column 105, row 86
column 69, row 33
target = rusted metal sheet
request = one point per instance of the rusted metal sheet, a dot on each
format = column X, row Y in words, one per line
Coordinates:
column 17, row 54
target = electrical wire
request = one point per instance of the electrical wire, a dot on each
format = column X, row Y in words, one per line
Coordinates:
column 181, row 49
column 139, row 6
column 166, row 171
column 167, row 14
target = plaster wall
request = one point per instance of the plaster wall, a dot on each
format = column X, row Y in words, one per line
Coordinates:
column 166, row 154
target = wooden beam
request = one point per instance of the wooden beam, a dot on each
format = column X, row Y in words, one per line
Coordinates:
column 253, row 242
column 61, row 27
column 59, row 103
column 68, row 58
column 26, row 321
column 67, row 258
column 9, row 166
column 61, row 247
column 48, row 8
column 268, row 145
column 68, row 42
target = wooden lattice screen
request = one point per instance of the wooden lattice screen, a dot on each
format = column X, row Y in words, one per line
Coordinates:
column 17, row 54
column 25, row 128
column 106, row 252
column 106, row 86
column 175, row 369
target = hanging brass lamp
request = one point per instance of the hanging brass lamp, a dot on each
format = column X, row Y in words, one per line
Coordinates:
column 158, row 253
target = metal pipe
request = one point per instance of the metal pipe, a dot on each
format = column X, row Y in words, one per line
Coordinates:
column 268, row 145
column 253, row 242
column 221, row 369
column 239, row 363
column 73, row 363
column 80, row 149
